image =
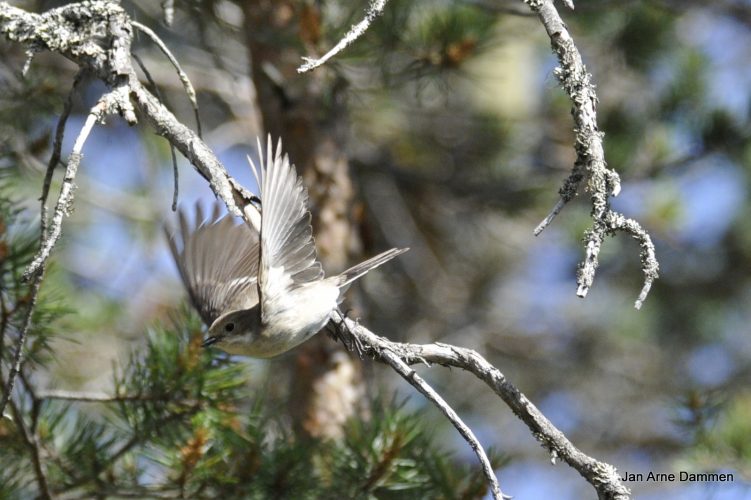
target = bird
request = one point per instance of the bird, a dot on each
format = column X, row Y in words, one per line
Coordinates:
column 259, row 287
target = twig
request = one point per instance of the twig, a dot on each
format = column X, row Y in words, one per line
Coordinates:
column 602, row 182
column 189, row 90
column 65, row 200
column 356, row 31
column 31, row 440
column 408, row 374
column 549, row 218
column 602, row 476
column 171, row 147
column 57, row 146
column 102, row 397
column 18, row 355
column 30, row 53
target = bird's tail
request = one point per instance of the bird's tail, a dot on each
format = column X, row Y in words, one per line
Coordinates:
column 355, row 272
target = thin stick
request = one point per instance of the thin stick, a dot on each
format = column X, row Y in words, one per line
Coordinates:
column 103, row 397
column 65, row 199
column 408, row 374
column 171, row 146
column 18, row 355
column 57, row 146
column 32, row 442
column 189, row 90
column 549, row 218
column 374, row 10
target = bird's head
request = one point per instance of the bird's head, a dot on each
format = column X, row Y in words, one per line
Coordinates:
column 235, row 332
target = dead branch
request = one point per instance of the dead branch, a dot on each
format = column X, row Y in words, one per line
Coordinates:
column 602, row 476
column 602, row 182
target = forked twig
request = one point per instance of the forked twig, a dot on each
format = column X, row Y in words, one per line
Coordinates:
column 602, row 182
column 411, row 376
column 57, row 146
column 602, row 476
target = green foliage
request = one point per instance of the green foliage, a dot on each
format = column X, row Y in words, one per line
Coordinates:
column 423, row 44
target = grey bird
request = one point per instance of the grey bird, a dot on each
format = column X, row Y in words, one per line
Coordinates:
column 261, row 290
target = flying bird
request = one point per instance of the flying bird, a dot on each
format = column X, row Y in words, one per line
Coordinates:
column 261, row 290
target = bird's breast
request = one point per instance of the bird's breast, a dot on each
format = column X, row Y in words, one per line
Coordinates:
column 304, row 312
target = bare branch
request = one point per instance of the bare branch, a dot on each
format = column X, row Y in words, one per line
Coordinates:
column 17, row 356
column 395, row 362
column 57, row 146
column 602, row 182
column 602, row 476
column 374, row 10
column 187, row 85
column 65, row 200
column 171, row 147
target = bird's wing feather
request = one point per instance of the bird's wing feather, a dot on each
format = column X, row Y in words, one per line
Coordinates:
column 218, row 263
column 288, row 253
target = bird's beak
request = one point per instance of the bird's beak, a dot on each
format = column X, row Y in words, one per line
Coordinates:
column 210, row 341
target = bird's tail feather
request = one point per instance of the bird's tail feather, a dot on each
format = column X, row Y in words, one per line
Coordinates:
column 355, row 272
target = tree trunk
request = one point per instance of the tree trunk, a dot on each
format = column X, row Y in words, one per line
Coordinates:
column 306, row 112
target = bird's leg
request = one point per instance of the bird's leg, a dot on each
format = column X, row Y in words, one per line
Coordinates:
column 350, row 342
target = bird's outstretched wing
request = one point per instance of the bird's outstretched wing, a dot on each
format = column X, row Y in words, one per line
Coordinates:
column 218, row 263
column 288, row 252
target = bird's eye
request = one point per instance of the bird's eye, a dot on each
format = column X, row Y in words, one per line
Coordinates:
column 229, row 327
